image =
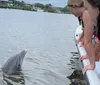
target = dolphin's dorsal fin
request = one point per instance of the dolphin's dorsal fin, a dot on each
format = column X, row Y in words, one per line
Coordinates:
column 12, row 64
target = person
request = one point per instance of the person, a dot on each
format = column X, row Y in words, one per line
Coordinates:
column 93, row 8
column 80, row 11
column 76, row 7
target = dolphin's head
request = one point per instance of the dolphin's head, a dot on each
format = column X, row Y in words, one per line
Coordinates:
column 20, row 60
column 14, row 63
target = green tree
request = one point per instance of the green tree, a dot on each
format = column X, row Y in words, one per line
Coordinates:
column 13, row 1
column 48, row 6
column 64, row 10
column 39, row 5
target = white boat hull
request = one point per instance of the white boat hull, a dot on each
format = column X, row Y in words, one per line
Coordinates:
column 92, row 76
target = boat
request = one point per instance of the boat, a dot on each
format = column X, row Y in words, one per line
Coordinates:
column 92, row 76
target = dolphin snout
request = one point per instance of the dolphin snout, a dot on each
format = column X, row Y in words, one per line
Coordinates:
column 24, row 51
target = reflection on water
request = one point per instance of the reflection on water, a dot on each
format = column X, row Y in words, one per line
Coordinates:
column 14, row 79
column 76, row 78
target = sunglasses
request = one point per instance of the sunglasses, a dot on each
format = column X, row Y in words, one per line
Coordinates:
column 74, row 6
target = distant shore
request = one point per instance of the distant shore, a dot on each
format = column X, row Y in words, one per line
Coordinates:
column 34, row 7
column 30, row 9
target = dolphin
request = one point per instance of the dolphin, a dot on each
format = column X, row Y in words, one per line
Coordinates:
column 14, row 63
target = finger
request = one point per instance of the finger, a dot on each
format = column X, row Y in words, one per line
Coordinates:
column 77, row 41
column 83, row 57
column 82, row 42
column 82, row 45
column 85, row 69
column 88, row 67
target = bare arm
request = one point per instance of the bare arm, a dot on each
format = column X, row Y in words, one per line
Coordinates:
column 88, row 33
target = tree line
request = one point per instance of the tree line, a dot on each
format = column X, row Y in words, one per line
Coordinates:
column 46, row 8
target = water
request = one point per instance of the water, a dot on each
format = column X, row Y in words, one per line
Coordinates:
column 49, row 39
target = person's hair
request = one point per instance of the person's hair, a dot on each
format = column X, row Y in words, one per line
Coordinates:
column 81, row 22
column 96, row 3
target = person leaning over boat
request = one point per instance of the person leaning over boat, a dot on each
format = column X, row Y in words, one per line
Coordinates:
column 93, row 8
column 77, row 8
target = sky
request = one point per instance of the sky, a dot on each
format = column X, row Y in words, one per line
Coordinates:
column 58, row 3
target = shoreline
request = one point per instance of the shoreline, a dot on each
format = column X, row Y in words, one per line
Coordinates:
column 34, row 11
column 29, row 9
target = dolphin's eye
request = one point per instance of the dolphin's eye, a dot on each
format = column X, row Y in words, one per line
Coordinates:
column 19, row 65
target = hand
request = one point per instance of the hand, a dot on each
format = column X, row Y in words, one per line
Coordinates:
column 83, row 57
column 77, row 41
column 82, row 44
column 88, row 67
